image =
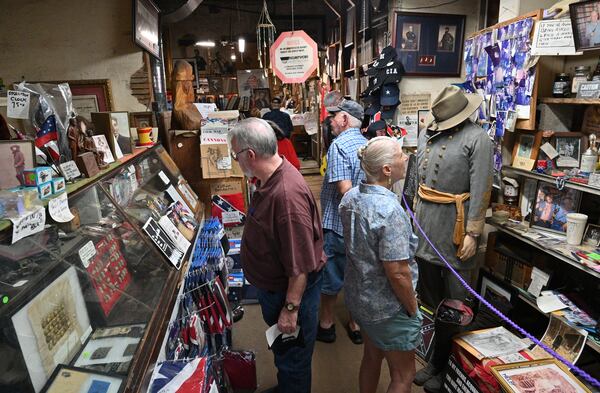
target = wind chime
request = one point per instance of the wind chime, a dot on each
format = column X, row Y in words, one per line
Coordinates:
column 265, row 36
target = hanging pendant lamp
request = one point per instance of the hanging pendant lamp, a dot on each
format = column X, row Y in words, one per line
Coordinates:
column 265, row 35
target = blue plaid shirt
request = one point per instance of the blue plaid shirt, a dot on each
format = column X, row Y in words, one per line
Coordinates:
column 342, row 164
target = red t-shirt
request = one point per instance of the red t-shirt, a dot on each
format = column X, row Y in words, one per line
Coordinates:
column 286, row 149
column 282, row 235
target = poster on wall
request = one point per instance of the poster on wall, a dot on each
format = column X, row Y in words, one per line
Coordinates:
column 146, row 26
column 408, row 118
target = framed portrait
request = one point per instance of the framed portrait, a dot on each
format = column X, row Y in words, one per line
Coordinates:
column 115, row 127
column 526, row 149
column 67, row 379
column 249, row 80
column 15, row 157
column 592, row 235
column 141, row 119
column 146, row 26
column 100, row 88
column 261, row 98
column 552, row 206
column 422, row 116
column 568, row 146
column 101, row 144
column 429, row 44
column 585, row 19
column 537, row 376
column 52, row 326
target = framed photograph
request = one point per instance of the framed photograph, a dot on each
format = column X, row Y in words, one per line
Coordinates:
column 526, row 149
column 552, row 206
column 568, row 146
column 248, row 80
column 52, row 326
column 146, row 26
column 66, row 379
column 422, row 116
column 592, row 235
column 564, row 339
column 101, row 144
column 15, row 157
column 84, row 105
column 546, row 375
column 446, row 38
column 585, row 19
column 115, row 127
column 261, row 98
column 494, row 292
column 429, row 44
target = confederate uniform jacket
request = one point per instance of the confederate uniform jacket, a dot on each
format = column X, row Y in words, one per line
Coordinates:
column 456, row 161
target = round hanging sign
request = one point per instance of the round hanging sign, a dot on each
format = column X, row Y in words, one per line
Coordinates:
column 294, row 56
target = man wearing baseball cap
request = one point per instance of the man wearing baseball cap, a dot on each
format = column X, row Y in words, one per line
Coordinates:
column 282, row 119
column 343, row 172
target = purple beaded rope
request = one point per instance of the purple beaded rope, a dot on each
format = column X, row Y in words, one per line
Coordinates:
column 570, row 365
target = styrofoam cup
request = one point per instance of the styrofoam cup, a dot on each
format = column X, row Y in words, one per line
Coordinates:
column 575, row 228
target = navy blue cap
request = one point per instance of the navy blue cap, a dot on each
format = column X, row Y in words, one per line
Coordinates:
column 390, row 95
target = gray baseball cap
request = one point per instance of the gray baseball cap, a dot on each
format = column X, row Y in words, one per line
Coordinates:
column 351, row 107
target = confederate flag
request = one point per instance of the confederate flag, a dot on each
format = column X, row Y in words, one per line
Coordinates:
column 47, row 137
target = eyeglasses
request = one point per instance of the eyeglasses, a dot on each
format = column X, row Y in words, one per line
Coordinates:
column 235, row 155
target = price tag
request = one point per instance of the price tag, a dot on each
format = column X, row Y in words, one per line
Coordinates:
column 17, row 104
column 231, row 217
column 59, row 208
column 164, row 177
column 28, row 224
column 86, row 253
column 70, row 170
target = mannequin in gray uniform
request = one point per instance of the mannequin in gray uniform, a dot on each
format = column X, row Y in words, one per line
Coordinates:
column 455, row 171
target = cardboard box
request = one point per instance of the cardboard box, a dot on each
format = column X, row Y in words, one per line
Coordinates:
column 216, row 162
column 226, row 186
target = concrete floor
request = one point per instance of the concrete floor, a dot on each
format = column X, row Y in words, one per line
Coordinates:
column 335, row 366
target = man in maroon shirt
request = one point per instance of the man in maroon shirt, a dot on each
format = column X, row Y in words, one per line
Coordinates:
column 282, row 248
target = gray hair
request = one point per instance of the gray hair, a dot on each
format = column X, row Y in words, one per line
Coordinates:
column 353, row 122
column 256, row 134
column 378, row 152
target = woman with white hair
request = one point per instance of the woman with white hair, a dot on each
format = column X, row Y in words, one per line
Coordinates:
column 381, row 273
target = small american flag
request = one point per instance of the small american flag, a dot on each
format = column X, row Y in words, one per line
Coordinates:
column 47, row 132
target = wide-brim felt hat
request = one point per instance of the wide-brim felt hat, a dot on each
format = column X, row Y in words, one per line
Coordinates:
column 450, row 108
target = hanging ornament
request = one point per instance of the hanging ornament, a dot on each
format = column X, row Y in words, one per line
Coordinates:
column 265, row 35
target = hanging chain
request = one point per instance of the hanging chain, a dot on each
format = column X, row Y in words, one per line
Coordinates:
column 292, row 16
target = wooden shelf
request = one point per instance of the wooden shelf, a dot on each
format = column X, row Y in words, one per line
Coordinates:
column 508, row 170
column 569, row 101
column 548, row 250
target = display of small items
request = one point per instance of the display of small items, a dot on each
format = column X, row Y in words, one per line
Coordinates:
column 55, row 325
column 108, row 272
column 41, row 178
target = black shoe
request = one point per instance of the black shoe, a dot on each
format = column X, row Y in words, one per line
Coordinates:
column 425, row 374
column 326, row 335
column 355, row 335
column 238, row 313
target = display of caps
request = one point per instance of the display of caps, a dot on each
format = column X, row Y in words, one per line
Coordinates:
column 373, row 108
column 386, row 58
column 390, row 94
column 387, row 112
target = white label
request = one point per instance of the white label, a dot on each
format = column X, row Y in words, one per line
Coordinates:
column 17, row 104
column 224, row 163
column 19, row 283
column 231, row 217
column 512, row 358
column 188, row 195
column 86, row 253
column 553, row 37
column 538, row 280
column 59, row 209
column 29, row 224
column 180, row 242
column 70, row 170
column 549, row 150
column 163, row 177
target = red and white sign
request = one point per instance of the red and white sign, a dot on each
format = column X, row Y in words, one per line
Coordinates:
column 294, row 56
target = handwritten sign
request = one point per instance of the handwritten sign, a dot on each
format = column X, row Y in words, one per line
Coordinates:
column 28, row 224
column 70, row 170
column 86, row 253
column 59, row 209
column 553, row 37
column 17, row 105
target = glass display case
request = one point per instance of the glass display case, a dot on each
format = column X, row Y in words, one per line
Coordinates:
column 84, row 303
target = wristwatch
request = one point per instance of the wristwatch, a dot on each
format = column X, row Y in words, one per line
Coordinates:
column 291, row 307
column 474, row 235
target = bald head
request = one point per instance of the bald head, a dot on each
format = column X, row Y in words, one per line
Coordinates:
column 255, row 134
